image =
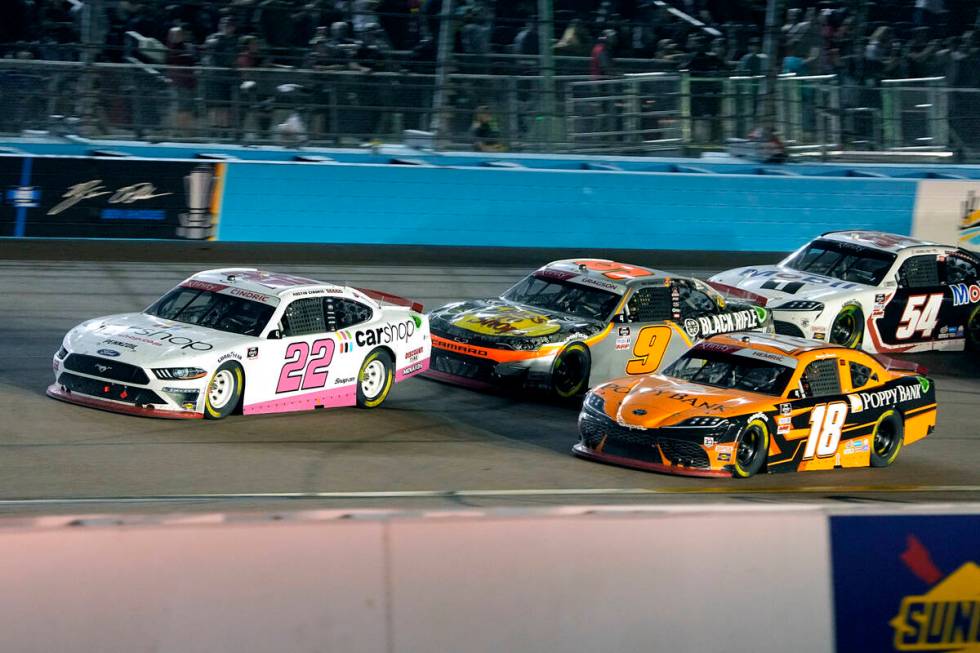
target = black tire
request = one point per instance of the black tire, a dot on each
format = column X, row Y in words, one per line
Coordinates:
column 570, row 371
column 224, row 391
column 887, row 439
column 375, row 378
column 973, row 330
column 751, row 449
column 848, row 327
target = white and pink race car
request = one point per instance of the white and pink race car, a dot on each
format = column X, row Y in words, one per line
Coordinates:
column 244, row 339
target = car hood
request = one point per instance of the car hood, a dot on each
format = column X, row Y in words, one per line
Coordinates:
column 778, row 283
column 141, row 339
column 655, row 401
column 500, row 320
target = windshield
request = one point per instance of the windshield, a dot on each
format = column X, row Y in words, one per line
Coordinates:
column 563, row 297
column 731, row 371
column 213, row 310
column 843, row 261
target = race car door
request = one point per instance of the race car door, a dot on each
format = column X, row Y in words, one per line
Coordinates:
column 962, row 302
column 914, row 315
column 311, row 364
column 647, row 338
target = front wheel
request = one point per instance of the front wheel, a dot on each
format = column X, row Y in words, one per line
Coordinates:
column 887, row 439
column 570, row 371
column 848, row 327
column 374, row 380
column 752, row 449
column 224, row 391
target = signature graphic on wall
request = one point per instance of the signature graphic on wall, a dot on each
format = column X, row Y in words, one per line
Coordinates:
column 91, row 189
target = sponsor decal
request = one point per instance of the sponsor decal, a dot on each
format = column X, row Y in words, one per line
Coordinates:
column 250, row 294
column 412, row 370
column 785, row 409
column 230, row 355
column 384, row 334
column 117, row 343
column 724, row 448
column 889, row 397
column 861, row 444
column 623, row 331
column 413, row 354
column 345, row 342
column 344, row 380
column 111, row 353
column 787, row 277
column 166, row 336
column 964, row 294
column 597, row 283
column 784, row 420
column 461, row 348
column 683, row 397
column 197, row 284
column 880, row 298
column 709, row 441
column 623, row 343
column 925, row 575
column 783, row 429
column 779, row 359
column 724, row 457
column 317, row 291
column 24, row 197
column 506, row 321
column 253, row 352
column 710, row 325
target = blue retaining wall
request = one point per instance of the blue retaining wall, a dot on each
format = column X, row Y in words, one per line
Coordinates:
column 545, row 208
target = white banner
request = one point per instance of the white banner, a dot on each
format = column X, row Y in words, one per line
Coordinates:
column 948, row 212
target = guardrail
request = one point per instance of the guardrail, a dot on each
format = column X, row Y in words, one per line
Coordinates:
column 764, row 579
column 635, row 113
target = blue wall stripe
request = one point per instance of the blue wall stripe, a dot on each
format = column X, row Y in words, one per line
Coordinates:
column 20, row 225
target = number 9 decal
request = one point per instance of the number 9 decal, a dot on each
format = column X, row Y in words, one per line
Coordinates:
column 651, row 345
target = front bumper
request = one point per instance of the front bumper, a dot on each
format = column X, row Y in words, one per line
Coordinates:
column 484, row 372
column 673, row 451
column 56, row 391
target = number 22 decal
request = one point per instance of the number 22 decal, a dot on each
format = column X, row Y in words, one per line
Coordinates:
column 826, row 422
column 293, row 376
column 921, row 314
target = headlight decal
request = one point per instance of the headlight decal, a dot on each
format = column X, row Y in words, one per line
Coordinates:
column 179, row 373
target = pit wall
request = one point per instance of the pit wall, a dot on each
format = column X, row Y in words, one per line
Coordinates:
column 465, row 200
column 680, row 579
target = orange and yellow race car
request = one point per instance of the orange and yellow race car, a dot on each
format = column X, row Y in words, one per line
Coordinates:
column 736, row 405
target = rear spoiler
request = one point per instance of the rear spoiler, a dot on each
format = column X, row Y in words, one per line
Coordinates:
column 388, row 298
column 738, row 293
column 896, row 365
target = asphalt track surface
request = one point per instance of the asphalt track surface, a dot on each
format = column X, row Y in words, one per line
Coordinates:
column 430, row 446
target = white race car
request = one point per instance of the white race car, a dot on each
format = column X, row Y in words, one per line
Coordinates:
column 243, row 338
column 881, row 292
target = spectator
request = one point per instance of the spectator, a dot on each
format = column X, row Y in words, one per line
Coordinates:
column 754, row 62
column 928, row 13
column 574, row 42
column 526, row 41
column 221, row 52
column 484, row 132
column 181, row 57
column 705, row 93
column 602, row 62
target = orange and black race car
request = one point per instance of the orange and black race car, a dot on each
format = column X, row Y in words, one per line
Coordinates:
column 736, row 405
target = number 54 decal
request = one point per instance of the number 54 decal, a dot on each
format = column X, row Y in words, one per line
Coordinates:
column 921, row 314
column 293, row 375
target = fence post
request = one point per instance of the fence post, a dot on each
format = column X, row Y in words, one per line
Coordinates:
column 685, row 116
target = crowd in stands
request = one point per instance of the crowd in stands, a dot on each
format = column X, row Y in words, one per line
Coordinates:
column 859, row 41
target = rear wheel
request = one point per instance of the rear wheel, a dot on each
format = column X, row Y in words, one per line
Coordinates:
column 886, row 439
column 224, row 391
column 374, row 380
column 848, row 327
column 751, row 449
column 570, row 371
column 973, row 330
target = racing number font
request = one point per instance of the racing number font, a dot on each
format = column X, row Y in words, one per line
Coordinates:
column 293, row 375
column 651, row 344
column 826, row 422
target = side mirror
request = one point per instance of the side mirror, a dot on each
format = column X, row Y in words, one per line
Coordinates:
column 874, row 376
column 795, row 394
column 275, row 334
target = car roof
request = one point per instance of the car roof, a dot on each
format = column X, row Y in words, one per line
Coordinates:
column 625, row 275
column 776, row 343
column 261, row 281
column 879, row 240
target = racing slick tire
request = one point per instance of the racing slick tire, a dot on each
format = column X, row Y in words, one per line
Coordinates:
column 973, row 330
column 224, row 391
column 887, row 438
column 847, row 329
column 751, row 449
column 570, row 371
column 374, row 379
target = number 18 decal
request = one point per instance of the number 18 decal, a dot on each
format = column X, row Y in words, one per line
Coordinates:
column 293, row 375
column 921, row 314
column 826, row 422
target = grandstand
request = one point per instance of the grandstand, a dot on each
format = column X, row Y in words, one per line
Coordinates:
column 565, row 75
